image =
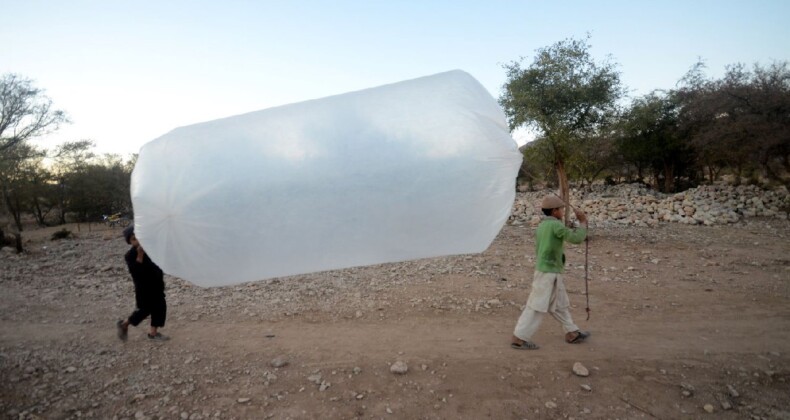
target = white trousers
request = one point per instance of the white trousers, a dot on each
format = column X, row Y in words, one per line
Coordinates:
column 548, row 296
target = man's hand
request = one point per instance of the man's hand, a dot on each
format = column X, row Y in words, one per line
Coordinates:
column 580, row 216
column 140, row 254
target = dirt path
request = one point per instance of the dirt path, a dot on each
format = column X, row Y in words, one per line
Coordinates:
column 682, row 317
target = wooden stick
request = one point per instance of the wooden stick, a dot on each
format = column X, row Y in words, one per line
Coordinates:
column 638, row 407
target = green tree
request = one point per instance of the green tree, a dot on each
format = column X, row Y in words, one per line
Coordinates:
column 741, row 121
column 18, row 173
column 25, row 113
column 42, row 191
column 536, row 165
column 99, row 188
column 593, row 156
column 70, row 159
column 651, row 137
column 565, row 96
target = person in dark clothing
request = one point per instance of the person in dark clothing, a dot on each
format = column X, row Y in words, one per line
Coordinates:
column 149, row 290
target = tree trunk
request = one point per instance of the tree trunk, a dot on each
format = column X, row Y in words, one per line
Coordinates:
column 564, row 188
column 738, row 172
column 38, row 213
column 62, row 203
column 669, row 179
column 5, row 218
column 769, row 172
column 16, row 211
column 18, row 237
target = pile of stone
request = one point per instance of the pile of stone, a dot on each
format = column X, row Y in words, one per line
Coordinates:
column 637, row 205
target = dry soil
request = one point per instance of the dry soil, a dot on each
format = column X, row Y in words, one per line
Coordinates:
column 686, row 321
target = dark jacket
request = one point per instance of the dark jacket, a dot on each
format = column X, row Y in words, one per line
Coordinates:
column 147, row 276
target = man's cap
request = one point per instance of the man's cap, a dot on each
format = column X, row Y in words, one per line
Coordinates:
column 127, row 234
column 551, row 202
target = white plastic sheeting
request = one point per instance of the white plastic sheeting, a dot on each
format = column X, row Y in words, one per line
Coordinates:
column 415, row 169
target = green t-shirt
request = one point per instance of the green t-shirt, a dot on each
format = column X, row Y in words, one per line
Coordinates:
column 549, row 247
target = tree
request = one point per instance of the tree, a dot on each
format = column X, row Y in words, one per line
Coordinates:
column 25, row 113
column 16, row 174
column 651, row 138
column 70, row 158
column 565, row 95
column 99, row 189
column 739, row 120
column 592, row 157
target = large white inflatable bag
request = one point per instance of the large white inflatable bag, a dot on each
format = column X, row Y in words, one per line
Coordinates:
column 415, row 169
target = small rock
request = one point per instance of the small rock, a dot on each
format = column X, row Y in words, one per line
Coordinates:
column 551, row 404
column 580, row 370
column 586, row 387
column 732, row 391
column 389, row 410
column 243, row 400
column 71, row 369
column 399, row 367
column 279, row 362
column 688, row 390
column 357, row 370
column 708, row 408
column 324, row 386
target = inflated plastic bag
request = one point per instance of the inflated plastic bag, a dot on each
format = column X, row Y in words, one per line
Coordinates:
column 415, row 169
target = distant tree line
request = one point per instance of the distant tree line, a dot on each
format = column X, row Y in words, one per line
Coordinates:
column 704, row 128
column 69, row 183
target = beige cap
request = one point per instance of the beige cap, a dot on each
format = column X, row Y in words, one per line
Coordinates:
column 551, row 202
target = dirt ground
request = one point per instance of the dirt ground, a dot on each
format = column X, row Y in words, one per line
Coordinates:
column 687, row 322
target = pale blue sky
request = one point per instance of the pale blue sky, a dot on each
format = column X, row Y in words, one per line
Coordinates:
column 128, row 72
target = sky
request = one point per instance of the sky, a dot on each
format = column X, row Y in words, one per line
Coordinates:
column 129, row 72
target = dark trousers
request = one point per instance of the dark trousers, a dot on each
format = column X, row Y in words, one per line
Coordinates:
column 149, row 303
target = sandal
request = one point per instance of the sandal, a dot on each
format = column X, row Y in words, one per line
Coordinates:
column 525, row 345
column 576, row 337
column 158, row 337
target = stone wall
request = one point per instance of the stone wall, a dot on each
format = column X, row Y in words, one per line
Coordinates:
column 635, row 204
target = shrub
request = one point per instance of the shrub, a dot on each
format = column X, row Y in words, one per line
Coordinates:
column 61, row 234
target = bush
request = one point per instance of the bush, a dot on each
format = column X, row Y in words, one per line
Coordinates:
column 61, row 234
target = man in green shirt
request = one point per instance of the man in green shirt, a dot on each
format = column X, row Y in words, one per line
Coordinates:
column 548, row 290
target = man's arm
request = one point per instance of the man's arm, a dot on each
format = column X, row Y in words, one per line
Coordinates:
column 574, row 236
